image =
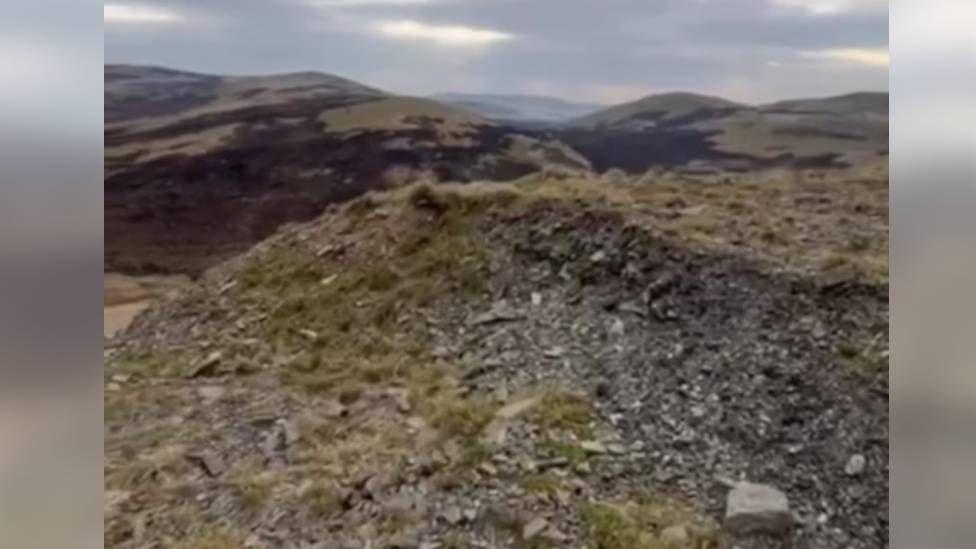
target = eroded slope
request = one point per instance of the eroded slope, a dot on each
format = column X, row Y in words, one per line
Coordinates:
column 500, row 366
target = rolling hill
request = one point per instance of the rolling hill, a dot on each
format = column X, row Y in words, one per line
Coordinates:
column 662, row 109
column 200, row 167
column 518, row 108
column 678, row 129
column 872, row 103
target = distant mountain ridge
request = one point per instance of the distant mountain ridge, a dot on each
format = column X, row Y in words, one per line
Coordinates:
column 657, row 108
column 133, row 91
column 853, row 103
column 518, row 107
column 681, row 128
column 199, row 167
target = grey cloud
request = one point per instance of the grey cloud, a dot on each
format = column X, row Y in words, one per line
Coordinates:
column 570, row 46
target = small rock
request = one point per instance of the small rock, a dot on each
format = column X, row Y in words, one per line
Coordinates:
column 488, row 469
column 556, row 536
column 113, row 387
column 209, row 461
column 675, row 535
column 496, row 432
column 593, row 447
column 553, row 463
column 403, row 540
column 536, row 299
column 583, row 468
column 309, row 335
column 517, row 408
column 263, row 421
column 289, row 431
column 757, row 509
column 633, row 308
column 855, row 466
column 402, row 399
column 617, row 449
column 327, row 281
column 121, row 378
column 441, row 352
column 210, row 393
column 598, row 256
column 114, row 501
column 534, row 527
column 374, row 486
column 500, row 312
column 693, row 210
column 452, row 514
column 333, row 409
column 617, row 327
column 399, row 502
column 326, row 250
column 555, row 352
column 208, row 366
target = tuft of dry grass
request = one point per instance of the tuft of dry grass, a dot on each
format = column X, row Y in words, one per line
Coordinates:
column 151, row 364
column 609, row 527
column 323, row 498
column 639, row 525
column 254, row 485
column 464, row 417
column 783, row 220
column 559, row 409
column 544, row 484
column 867, row 356
column 214, row 538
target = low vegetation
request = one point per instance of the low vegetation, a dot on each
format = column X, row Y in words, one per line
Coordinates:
column 646, row 524
column 354, row 398
column 836, row 223
column 253, row 484
column 213, row 539
column 609, row 527
column 560, row 409
column 323, row 498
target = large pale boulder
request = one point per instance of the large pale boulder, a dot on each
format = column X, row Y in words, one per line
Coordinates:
column 757, row 509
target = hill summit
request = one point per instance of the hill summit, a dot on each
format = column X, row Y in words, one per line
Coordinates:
column 553, row 362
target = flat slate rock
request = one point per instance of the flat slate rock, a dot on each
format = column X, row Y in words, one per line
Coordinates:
column 757, row 509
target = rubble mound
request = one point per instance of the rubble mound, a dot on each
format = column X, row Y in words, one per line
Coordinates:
column 495, row 366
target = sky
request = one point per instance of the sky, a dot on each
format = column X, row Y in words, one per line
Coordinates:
column 600, row 51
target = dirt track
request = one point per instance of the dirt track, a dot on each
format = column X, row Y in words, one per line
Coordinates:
column 127, row 296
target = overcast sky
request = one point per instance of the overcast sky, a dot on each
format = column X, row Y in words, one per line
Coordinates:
column 589, row 50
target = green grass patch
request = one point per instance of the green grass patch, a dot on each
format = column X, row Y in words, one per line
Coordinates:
column 323, row 498
column 253, row 485
column 564, row 410
column 543, row 484
column 610, row 527
column 639, row 524
column 865, row 357
column 214, row 538
column 153, row 364
column 456, row 416
column 559, row 449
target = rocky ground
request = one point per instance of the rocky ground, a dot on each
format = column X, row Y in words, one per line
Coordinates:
column 545, row 364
